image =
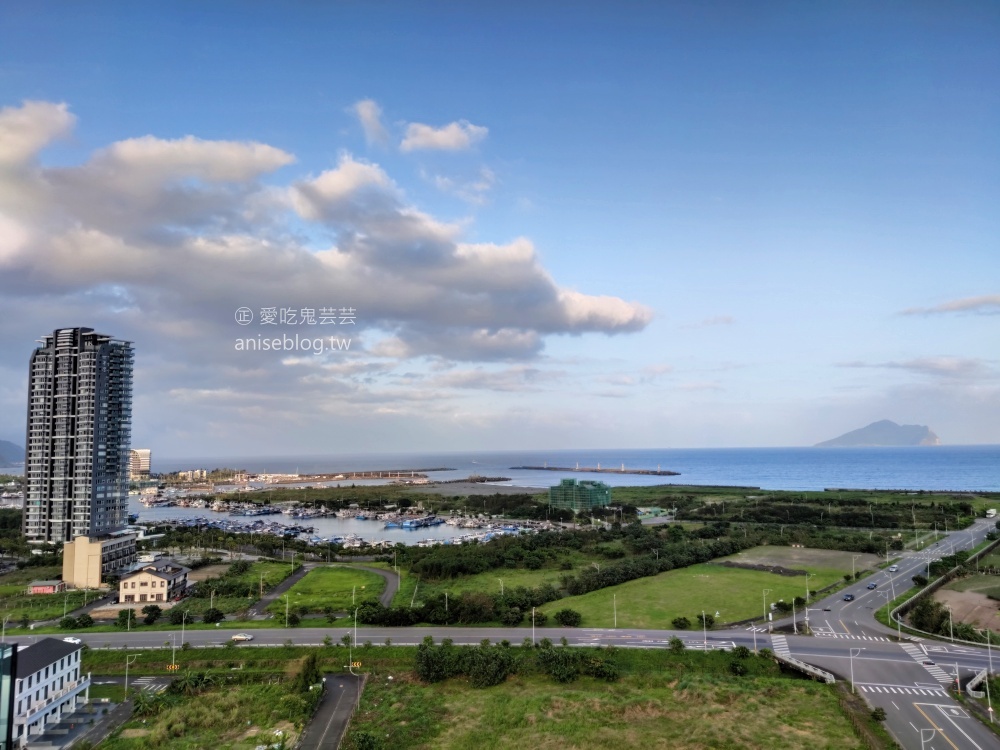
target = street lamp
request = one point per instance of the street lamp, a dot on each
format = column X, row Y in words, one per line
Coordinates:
column 286, row 610
column 614, row 603
column 766, row 592
column 951, row 625
column 704, row 627
column 859, row 650
column 532, row 626
column 853, row 574
column 501, row 586
column 128, row 660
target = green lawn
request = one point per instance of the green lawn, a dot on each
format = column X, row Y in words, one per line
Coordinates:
column 735, row 593
column 338, row 587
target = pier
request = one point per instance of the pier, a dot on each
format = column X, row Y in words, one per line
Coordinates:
column 599, row 470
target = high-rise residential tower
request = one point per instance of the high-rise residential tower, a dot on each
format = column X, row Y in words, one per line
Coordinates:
column 139, row 461
column 79, row 428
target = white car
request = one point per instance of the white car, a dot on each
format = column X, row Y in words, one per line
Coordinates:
column 893, row 568
column 74, row 641
column 242, row 637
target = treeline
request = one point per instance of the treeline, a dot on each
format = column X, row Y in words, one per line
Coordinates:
column 486, row 665
column 468, row 608
column 933, row 617
column 834, row 511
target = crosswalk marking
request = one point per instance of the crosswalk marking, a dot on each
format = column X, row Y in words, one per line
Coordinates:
column 150, row 684
column 779, row 644
column 920, row 657
column 939, row 693
column 853, row 637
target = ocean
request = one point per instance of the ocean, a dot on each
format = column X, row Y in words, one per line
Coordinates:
column 958, row 468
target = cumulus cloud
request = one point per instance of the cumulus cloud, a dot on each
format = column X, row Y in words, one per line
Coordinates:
column 984, row 305
column 369, row 114
column 455, row 136
column 160, row 241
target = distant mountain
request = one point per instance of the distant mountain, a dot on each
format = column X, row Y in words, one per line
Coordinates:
column 884, row 434
column 10, row 454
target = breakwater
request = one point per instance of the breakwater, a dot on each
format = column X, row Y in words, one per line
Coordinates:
column 599, row 470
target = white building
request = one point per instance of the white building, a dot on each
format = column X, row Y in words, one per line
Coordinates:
column 48, row 685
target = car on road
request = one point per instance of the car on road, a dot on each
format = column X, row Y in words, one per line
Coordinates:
column 74, row 641
column 848, row 597
column 893, row 568
column 242, row 637
column 871, row 586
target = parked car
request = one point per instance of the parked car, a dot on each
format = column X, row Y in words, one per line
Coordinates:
column 848, row 597
column 871, row 586
column 242, row 637
column 71, row 639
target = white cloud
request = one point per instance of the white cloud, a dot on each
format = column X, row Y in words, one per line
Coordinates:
column 474, row 190
column 985, row 305
column 369, row 114
column 455, row 136
column 26, row 130
column 941, row 367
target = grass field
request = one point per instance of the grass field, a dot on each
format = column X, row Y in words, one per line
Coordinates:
column 735, row 593
column 985, row 585
column 17, row 604
column 237, row 717
column 324, row 588
column 669, row 709
column 822, row 562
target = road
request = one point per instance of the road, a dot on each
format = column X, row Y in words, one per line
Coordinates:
column 848, row 641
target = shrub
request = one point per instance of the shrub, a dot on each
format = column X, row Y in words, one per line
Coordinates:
column 741, row 652
column 878, row 714
column 706, row 620
column 213, row 615
column 126, row 618
column 67, row 623
column 681, row 623
column 676, row 645
column 84, row 621
column 737, row 668
column 569, row 618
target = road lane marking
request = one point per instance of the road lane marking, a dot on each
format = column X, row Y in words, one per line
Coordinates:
column 935, row 726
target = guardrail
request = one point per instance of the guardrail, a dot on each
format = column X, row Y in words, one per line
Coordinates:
column 975, row 682
column 814, row 672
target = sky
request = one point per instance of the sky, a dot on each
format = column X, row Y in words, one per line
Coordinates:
column 508, row 225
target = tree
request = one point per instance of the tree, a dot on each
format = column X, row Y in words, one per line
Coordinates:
column 84, row 621
column 213, row 615
column 176, row 616
column 676, row 645
column 126, row 618
column 67, row 623
column 152, row 613
column 681, row 623
column 706, row 620
column 569, row 618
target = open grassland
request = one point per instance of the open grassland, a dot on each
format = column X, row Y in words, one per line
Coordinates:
column 736, row 594
column 237, row 717
column 668, row 709
column 822, row 562
column 335, row 589
column 18, row 605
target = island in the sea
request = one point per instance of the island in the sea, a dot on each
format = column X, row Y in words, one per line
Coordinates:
column 884, row 433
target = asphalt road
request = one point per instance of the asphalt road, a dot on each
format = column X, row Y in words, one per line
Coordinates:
column 921, row 713
column 340, row 694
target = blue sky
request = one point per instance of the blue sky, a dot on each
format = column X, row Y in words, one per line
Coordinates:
column 561, row 224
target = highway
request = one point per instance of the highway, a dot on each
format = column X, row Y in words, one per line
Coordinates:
column 909, row 680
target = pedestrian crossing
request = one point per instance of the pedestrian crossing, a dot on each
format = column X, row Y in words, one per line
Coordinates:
column 898, row 690
column 848, row 636
column 920, row 657
column 779, row 644
column 150, row 684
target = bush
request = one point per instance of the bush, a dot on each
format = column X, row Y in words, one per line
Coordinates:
column 511, row 616
column 569, row 618
column 681, row 623
column 706, row 620
column 919, row 580
column 213, row 615
column 176, row 616
column 676, row 645
column 84, row 621
column 152, row 613
column 126, row 618
column 878, row 714
column 741, row 652
column 67, row 623
column 737, row 668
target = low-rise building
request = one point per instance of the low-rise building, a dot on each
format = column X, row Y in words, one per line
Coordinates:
column 159, row 582
column 48, row 685
column 87, row 561
column 47, row 587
